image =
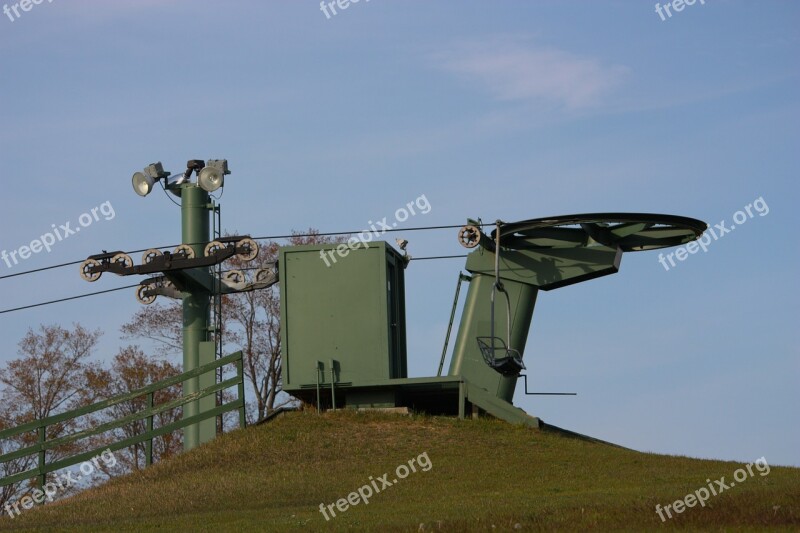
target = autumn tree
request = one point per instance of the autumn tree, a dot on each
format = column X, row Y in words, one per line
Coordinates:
column 53, row 374
column 131, row 370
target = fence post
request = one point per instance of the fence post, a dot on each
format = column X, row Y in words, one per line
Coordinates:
column 41, row 478
column 240, row 375
column 333, row 384
column 148, row 445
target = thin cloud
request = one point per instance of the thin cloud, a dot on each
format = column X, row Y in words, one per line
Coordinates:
column 516, row 72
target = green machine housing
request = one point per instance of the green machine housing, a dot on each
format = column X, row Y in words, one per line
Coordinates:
column 342, row 323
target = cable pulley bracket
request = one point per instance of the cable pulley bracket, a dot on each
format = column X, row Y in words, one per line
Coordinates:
column 471, row 236
column 149, row 289
column 234, row 281
column 155, row 261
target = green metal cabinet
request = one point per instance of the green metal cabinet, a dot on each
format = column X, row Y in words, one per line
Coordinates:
column 343, row 316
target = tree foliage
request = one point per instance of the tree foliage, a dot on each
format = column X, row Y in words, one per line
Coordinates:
column 131, row 369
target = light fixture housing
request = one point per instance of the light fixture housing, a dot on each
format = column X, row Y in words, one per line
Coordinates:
column 212, row 177
column 143, row 181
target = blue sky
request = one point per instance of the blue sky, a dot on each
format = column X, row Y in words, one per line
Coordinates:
column 508, row 110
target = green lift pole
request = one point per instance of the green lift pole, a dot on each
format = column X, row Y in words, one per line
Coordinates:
column 186, row 275
column 197, row 349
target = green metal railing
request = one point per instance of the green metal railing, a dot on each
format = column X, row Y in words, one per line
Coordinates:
column 40, row 426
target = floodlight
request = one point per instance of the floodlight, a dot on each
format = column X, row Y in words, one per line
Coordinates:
column 142, row 183
column 212, row 177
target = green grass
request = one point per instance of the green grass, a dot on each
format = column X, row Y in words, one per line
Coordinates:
column 486, row 475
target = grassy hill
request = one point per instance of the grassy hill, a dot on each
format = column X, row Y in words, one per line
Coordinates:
column 471, row 475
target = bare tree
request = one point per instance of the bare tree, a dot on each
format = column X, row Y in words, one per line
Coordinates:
column 161, row 323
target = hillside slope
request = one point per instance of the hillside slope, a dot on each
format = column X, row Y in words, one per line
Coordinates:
column 468, row 475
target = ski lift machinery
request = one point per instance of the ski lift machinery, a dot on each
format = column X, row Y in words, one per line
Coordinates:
column 343, row 324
